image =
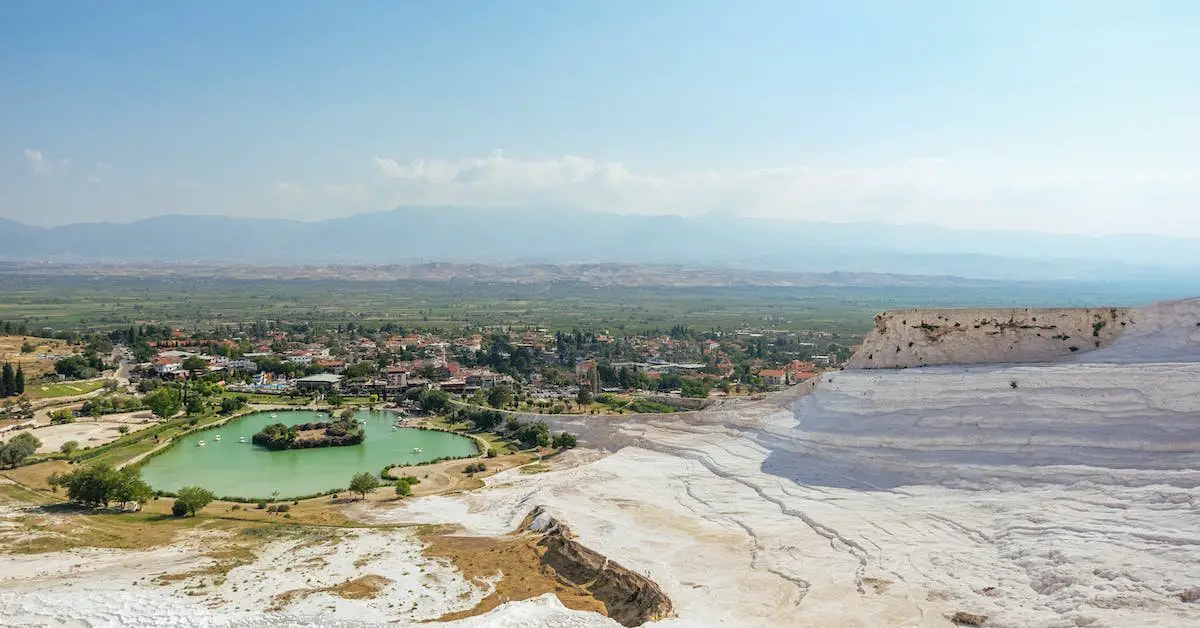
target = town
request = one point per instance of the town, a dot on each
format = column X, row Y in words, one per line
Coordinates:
column 527, row 369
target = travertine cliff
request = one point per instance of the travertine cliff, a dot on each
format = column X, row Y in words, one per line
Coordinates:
column 629, row 598
column 908, row 338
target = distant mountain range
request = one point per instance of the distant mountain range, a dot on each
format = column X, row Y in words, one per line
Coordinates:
column 414, row 235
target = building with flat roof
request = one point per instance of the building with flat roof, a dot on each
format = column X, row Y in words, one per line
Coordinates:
column 320, row 382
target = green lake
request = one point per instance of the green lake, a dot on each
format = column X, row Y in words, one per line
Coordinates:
column 228, row 467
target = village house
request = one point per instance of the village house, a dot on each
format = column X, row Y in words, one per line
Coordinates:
column 774, row 377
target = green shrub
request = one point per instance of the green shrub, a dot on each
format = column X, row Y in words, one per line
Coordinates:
column 261, row 505
column 179, row 509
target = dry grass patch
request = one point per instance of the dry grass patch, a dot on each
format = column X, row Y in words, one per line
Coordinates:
column 34, row 476
column 10, row 351
column 518, row 562
column 362, row 588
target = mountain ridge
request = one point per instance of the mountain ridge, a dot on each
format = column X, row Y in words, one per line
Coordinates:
column 416, row 234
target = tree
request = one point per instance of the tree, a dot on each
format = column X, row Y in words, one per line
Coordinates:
column 195, row 404
column 164, row 402
column 229, row 405
column 434, row 400
column 194, row 363
column 194, row 498
column 8, row 383
column 15, row 451
column 697, row 388
column 565, row 440
column 403, row 489
column 584, row 397
column 335, row 399
column 347, row 414
column 27, row 347
column 131, row 488
column 69, row 448
column 19, row 381
column 363, row 483
column 92, row 485
column 500, row 396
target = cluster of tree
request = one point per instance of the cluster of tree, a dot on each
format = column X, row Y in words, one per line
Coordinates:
column 12, row 382
column 697, row 387
column 480, row 418
column 475, row 467
column 404, row 485
column 82, row 366
column 229, row 405
column 101, row 485
column 14, row 329
column 339, row 433
column 430, row 400
column 503, row 357
column 500, row 396
column 534, row 434
column 564, row 440
column 112, row 404
column 18, row 449
column 164, row 401
column 21, row 408
column 63, row 416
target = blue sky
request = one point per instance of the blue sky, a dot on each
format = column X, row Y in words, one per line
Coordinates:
column 1050, row 116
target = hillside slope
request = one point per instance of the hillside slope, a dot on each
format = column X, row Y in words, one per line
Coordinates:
column 910, row 338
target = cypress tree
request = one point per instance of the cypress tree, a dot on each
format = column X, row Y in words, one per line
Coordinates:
column 7, row 381
column 19, row 381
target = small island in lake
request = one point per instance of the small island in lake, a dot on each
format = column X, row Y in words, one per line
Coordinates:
column 338, row 433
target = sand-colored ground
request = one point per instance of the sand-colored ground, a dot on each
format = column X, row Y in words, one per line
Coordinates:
column 10, row 351
column 86, row 431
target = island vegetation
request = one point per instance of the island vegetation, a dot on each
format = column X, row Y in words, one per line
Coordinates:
column 341, row 432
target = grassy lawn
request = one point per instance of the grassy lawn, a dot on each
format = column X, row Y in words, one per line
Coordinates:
column 63, row 389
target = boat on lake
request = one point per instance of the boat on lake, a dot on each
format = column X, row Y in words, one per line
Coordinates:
column 217, row 437
column 416, row 450
column 201, row 443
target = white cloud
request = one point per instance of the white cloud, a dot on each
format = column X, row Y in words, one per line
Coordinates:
column 926, row 190
column 36, row 161
column 289, row 190
column 42, row 165
column 95, row 179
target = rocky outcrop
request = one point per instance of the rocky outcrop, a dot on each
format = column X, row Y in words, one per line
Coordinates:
column 630, row 598
column 909, row 338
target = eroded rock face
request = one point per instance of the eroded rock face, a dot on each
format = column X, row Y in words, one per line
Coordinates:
column 909, row 338
column 630, row 598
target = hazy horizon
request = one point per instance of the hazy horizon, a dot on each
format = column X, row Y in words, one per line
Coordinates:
column 1070, row 117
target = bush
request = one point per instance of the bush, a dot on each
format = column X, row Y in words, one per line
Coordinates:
column 124, row 429
column 476, row 467
column 261, row 505
column 403, row 489
column 62, row 417
column 565, row 440
column 491, row 453
column 179, row 509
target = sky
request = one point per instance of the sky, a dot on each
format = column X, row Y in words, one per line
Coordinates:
column 1056, row 116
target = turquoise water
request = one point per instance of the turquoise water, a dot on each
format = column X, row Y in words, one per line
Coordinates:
column 231, row 468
